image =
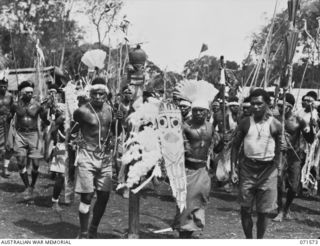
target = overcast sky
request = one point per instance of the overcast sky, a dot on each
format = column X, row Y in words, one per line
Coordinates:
column 174, row 30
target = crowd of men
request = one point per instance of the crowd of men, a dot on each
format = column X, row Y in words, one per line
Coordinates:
column 261, row 158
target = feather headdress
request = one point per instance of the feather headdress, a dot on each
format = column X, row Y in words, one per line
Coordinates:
column 197, row 92
column 94, row 58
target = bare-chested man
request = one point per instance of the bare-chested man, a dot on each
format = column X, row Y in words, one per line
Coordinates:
column 94, row 165
column 198, row 132
column 27, row 142
column 294, row 127
column 258, row 170
column 6, row 101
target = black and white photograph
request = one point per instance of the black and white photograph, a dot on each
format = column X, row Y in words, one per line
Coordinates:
column 159, row 119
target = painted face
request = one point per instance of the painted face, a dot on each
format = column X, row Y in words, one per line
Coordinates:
column 258, row 106
column 199, row 114
column 169, row 124
column 98, row 97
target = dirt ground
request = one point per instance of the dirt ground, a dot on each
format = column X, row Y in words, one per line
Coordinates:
column 37, row 219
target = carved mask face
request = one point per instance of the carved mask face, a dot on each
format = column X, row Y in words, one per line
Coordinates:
column 169, row 123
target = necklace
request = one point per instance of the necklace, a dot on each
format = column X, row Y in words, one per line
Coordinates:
column 259, row 130
column 99, row 123
column 99, row 152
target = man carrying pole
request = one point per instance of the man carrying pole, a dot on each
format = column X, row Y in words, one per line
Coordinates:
column 294, row 127
column 94, row 165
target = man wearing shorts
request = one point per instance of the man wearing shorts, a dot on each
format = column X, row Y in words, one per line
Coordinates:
column 94, row 158
column 26, row 141
column 258, row 170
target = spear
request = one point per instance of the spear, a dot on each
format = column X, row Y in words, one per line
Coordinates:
column 290, row 41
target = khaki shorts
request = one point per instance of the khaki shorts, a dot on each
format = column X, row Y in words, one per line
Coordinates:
column 258, row 183
column 27, row 144
column 93, row 172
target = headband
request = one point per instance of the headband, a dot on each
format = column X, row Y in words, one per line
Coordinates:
column 233, row 104
column 99, row 87
column 27, row 89
column 52, row 90
column 309, row 98
column 185, row 103
column 246, row 104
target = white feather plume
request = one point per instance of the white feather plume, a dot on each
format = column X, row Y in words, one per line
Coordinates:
column 195, row 89
column 71, row 103
column 142, row 151
column 146, row 112
column 94, row 58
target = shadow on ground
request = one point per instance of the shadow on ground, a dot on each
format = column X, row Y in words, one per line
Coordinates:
column 61, row 229
column 220, row 194
column 305, row 210
column 12, row 188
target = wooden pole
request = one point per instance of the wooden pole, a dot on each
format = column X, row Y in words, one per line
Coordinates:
column 223, row 83
column 134, row 222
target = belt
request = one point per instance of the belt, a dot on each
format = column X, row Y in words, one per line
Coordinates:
column 195, row 160
column 192, row 163
column 260, row 162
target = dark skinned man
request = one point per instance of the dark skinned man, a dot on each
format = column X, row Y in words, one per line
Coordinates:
column 198, row 133
column 258, row 169
column 94, row 160
column 295, row 126
column 27, row 138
